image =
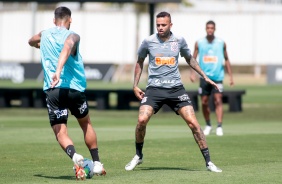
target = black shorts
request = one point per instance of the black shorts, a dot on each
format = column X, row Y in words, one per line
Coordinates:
column 60, row 100
column 207, row 89
column 175, row 98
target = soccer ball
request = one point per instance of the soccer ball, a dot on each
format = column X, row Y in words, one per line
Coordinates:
column 88, row 166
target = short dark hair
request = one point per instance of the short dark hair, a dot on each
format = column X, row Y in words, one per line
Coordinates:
column 164, row 14
column 210, row 22
column 62, row 12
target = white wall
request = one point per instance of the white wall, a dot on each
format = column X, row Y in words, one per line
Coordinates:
column 252, row 38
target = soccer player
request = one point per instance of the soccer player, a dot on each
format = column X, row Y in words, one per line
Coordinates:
column 212, row 59
column 165, row 86
column 64, row 86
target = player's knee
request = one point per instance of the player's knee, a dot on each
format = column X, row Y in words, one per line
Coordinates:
column 143, row 120
column 194, row 125
column 217, row 102
column 205, row 103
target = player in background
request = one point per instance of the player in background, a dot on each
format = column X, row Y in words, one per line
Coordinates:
column 212, row 59
column 64, row 86
column 165, row 86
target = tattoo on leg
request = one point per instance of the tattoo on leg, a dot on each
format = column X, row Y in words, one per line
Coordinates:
column 145, row 113
column 140, row 133
column 188, row 114
column 144, row 116
column 200, row 138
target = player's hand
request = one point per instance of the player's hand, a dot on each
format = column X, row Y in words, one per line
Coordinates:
column 37, row 45
column 138, row 93
column 56, row 79
column 212, row 83
column 192, row 77
column 231, row 83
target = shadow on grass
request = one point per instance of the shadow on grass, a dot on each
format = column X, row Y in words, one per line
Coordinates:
column 55, row 177
column 167, row 168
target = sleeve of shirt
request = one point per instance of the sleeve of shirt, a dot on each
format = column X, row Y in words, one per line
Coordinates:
column 143, row 49
column 184, row 50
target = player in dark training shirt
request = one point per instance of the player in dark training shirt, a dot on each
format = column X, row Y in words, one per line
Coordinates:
column 165, row 86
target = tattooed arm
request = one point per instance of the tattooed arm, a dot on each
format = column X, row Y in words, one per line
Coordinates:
column 70, row 48
column 195, row 66
column 137, row 74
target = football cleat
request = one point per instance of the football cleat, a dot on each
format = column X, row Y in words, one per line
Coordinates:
column 79, row 173
column 133, row 163
column 219, row 131
column 211, row 167
column 99, row 169
column 77, row 159
column 207, row 130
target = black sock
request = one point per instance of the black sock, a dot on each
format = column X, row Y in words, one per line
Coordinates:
column 139, row 147
column 219, row 124
column 208, row 122
column 70, row 150
column 206, row 155
column 94, row 154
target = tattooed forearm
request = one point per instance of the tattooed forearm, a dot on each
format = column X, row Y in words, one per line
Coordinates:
column 138, row 71
column 194, row 64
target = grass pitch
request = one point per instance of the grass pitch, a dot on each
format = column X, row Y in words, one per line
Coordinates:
column 249, row 152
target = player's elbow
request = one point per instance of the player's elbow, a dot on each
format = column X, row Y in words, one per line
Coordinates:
column 30, row 42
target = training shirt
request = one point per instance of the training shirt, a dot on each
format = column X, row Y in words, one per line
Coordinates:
column 163, row 59
column 211, row 58
column 72, row 75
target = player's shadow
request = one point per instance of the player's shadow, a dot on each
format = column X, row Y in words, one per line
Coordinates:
column 55, row 177
column 166, row 168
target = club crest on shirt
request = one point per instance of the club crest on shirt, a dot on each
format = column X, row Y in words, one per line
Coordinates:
column 174, row 46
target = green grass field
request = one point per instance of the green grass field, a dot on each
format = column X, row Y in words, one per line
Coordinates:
column 248, row 153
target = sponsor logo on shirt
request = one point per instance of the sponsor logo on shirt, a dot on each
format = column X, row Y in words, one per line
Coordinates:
column 165, row 61
column 164, row 81
column 210, row 59
column 164, row 46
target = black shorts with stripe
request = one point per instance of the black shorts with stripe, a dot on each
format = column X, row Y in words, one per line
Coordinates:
column 175, row 98
column 60, row 100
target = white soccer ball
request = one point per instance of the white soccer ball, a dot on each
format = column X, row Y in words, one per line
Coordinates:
column 88, row 166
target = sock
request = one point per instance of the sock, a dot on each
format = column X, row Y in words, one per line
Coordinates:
column 94, row 154
column 139, row 147
column 70, row 151
column 219, row 124
column 206, row 155
column 208, row 122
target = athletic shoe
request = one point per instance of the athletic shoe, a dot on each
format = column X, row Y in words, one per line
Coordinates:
column 207, row 130
column 77, row 159
column 133, row 163
column 99, row 169
column 219, row 131
column 79, row 172
column 211, row 167
column 78, row 165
